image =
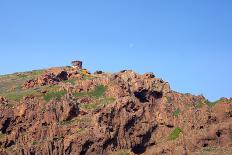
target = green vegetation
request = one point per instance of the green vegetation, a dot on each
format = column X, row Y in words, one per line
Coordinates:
column 207, row 102
column 2, row 135
column 175, row 134
column 199, row 105
column 18, row 87
column 22, row 75
column 10, row 85
column 98, row 95
column 176, row 112
column 72, row 81
column 37, row 72
column 54, row 94
column 19, row 94
column 98, row 92
column 65, row 122
column 34, row 143
column 122, row 152
column 74, row 121
column 107, row 101
column 100, row 103
column 211, row 104
column 80, row 130
column 91, row 106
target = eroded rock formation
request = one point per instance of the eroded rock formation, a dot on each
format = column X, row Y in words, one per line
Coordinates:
column 111, row 113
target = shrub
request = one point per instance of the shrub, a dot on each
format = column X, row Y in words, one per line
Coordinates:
column 175, row 134
column 176, row 112
column 34, row 143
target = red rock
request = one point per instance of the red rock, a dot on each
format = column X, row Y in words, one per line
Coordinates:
column 3, row 100
column 137, row 113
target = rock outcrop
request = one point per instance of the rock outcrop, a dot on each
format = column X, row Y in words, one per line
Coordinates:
column 116, row 113
column 3, row 100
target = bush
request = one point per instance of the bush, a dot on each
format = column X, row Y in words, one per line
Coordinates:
column 34, row 143
column 176, row 112
column 175, row 134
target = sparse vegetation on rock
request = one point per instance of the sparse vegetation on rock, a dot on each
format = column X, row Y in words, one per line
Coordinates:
column 175, row 134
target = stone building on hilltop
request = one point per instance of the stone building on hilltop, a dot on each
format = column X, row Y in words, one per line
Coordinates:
column 77, row 64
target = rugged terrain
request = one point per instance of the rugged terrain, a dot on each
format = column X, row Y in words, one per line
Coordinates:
column 65, row 110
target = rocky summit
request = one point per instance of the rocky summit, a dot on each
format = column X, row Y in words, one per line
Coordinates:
column 68, row 110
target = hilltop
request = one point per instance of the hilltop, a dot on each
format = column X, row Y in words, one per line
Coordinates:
column 68, row 110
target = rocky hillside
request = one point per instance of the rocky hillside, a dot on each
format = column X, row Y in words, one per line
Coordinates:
column 67, row 110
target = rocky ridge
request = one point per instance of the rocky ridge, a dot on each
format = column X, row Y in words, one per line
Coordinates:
column 70, row 111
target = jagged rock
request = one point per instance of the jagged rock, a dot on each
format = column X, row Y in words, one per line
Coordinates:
column 129, row 111
column 62, row 76
column 47, row 79
column 149, row 75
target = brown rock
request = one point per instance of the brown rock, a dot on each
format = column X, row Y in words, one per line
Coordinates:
column 3, row 100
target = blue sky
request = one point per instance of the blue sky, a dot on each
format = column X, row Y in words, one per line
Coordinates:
column 186, row 42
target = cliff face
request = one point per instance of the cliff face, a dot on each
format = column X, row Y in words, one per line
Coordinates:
column 68, row 111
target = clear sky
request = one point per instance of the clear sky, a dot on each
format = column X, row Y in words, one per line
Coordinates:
column 186, row 42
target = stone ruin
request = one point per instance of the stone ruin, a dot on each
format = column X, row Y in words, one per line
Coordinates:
column 77, row 64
